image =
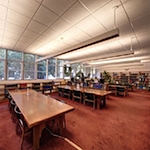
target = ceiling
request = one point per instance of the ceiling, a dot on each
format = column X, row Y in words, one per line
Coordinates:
column 53, row 27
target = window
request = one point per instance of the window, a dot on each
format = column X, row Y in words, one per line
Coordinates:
column 2, row 69
column 60, row 68
column 14, row 70
column 41, row 70
column 2, row 63
column 29, row 66
column 14, row 65
column 51, row 68
column 13, row 55
column 2, row 53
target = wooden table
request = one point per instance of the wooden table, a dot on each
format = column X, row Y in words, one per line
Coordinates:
column 116, row 87
column 37, row 109
column 101, row 94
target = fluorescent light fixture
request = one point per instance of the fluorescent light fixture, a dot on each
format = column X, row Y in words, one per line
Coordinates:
column 115, row 61
column 121, row 65
column 145, row 60
column 104, row 57
column 101, row 38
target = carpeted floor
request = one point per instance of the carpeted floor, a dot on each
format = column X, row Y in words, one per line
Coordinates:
column 124, row 124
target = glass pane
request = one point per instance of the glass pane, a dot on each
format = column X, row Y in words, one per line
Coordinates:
column 29, row 67
column 60, row 62
column 29, row 58
column 14, row 70
column 28, row 75
column 2, row 53
column 41, row 75
column 41, row 66
column 52, row 61
column 59, row 72
column 13, row 55
column 51, row 72
column 51, row 68
column 2, row 64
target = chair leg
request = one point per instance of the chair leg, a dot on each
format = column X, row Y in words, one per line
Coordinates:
column 22, row 139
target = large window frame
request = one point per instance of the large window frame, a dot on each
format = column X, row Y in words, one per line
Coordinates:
column 14, row 66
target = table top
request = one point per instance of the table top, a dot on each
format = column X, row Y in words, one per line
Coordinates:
column 115, row 85
column 88, row 90
column 37, row 107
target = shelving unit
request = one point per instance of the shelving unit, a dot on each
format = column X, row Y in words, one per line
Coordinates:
column 133, row 77
column 47, row 87
column 143, row 81
column 2, row 92
column 10, row 87
column 124, row 78
column 36, row 86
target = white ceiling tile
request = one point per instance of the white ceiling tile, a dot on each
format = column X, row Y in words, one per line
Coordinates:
column 3, row 12
column 36, row 27
column 1, row 32
column 14, row 28
column 61, row 25
column 50, row 33
column 16, row 18
column 142, row 25
column 11, row 35
column 94, row 4
column 45, row 16
column 140, row 9
column 107, row 11
column 21, row 45
column 26, row 39
column 2, row 24
column 31, row 34
column 39, row 1
column 59, row 7
column 126, row 31
column 4, row 2
column 68, row 40
column 25, row 8
column 96, row 29
column 76, row 13
column 8, row 45
column 77, row 34
column 43, row 39
column 144, row 39
column 9, row 41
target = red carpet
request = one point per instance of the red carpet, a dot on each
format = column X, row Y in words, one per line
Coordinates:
column 123, row 125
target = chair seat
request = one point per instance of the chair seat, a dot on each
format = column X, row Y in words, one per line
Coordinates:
column 21, row 127
column 89, row 97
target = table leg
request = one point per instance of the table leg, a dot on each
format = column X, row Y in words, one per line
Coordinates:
column 61, row 124
column 104, row 101
column 37, row 131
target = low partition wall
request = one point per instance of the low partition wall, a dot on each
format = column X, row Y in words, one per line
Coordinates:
column 4, row 85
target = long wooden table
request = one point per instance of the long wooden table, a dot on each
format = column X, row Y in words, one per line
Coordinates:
column 37, row 109
column 101, row 94
column 116, row 88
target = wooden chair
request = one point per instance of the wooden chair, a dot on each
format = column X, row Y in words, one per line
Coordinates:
column 77, row 95
column 122, row 90
column 60, row 91
column 11, row 109
column 67, row 93
column 89, row 97
column 21, row 126
column 23, row 85
column 54, row 124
